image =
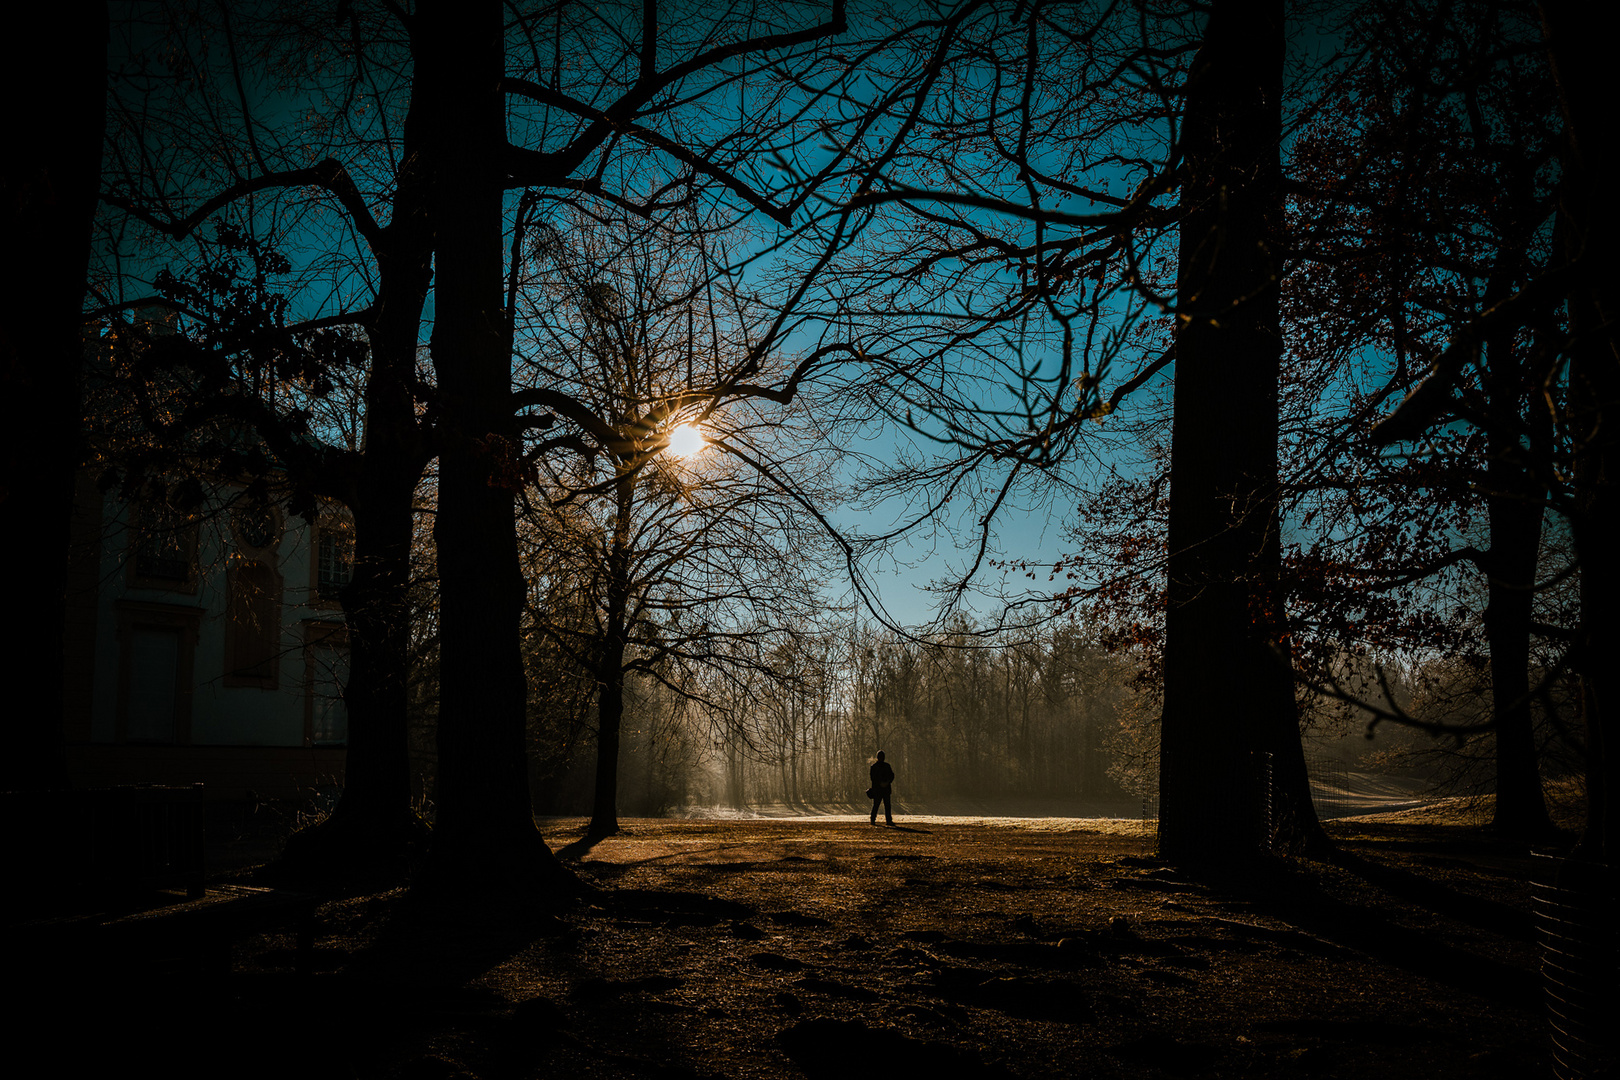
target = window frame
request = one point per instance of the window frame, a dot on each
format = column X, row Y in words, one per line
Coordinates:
column 321, row 634
column 328, row 524
column 142, row 524
column 134, row 615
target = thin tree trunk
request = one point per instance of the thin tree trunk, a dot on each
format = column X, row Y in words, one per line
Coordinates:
column 609, row 718
column 610, row 678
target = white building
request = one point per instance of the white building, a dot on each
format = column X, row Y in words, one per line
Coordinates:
column 207, row 645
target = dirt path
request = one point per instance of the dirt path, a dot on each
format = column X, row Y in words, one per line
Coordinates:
column 948, row 948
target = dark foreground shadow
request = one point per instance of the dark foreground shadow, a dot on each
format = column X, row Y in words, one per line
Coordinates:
column 1293, row 895
column 1489, row 915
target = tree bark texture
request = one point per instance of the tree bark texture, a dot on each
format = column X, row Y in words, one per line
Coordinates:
column 484, row 832
column 1232, row 771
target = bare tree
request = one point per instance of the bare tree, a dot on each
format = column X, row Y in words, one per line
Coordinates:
column 1079, row 106
column 634, row 341
column 1584, row 282
column 1456, row 91
column 664, row 114
column 201, row 191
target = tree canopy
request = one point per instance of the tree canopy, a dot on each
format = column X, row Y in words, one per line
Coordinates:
column 518, row 243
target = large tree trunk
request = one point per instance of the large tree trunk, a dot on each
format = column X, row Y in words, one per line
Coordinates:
column 374, row 824
column 377, row 790
column 373, row 827
column 1514, row 509
column 1580, row 64
column 484, row 834
column 378, row 774
column 48, row 187
column 1515, row 529
column 1232, row 771
column 1580, row 59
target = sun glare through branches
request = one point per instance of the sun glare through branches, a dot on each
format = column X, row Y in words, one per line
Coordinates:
column 686, row 441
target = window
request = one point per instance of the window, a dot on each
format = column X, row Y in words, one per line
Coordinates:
column 157, row 643
column 326, row 676
column 253, row 601
column 154, row 684
column 334, row 560
column 164, row 549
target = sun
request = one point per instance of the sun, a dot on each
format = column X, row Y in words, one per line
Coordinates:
column 686, row 440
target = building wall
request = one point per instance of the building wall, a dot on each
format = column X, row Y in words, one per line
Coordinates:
column 228, row 773
column 236, row 651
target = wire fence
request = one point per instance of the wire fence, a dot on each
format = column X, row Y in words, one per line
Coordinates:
column 1150, row 817
column 1575, row 927
column 1335, row 793
column 1330, row 786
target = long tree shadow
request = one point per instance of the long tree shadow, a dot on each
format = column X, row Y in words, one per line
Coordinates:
column 579, row 848
column 418, row 991
column 1489, row 915
column 1296, row 895
column 613, row 1015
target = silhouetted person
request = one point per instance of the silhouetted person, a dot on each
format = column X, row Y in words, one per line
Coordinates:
column 882, row 784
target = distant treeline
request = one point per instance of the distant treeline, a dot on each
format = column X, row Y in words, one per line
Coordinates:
column 965, row 716
column 1045, row 715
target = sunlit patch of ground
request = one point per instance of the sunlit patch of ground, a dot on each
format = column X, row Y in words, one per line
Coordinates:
column 1110, row 826
column 1126, row 827
column 1566, row 805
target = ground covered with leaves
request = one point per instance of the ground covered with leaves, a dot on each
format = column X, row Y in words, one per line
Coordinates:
column 823, row 947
